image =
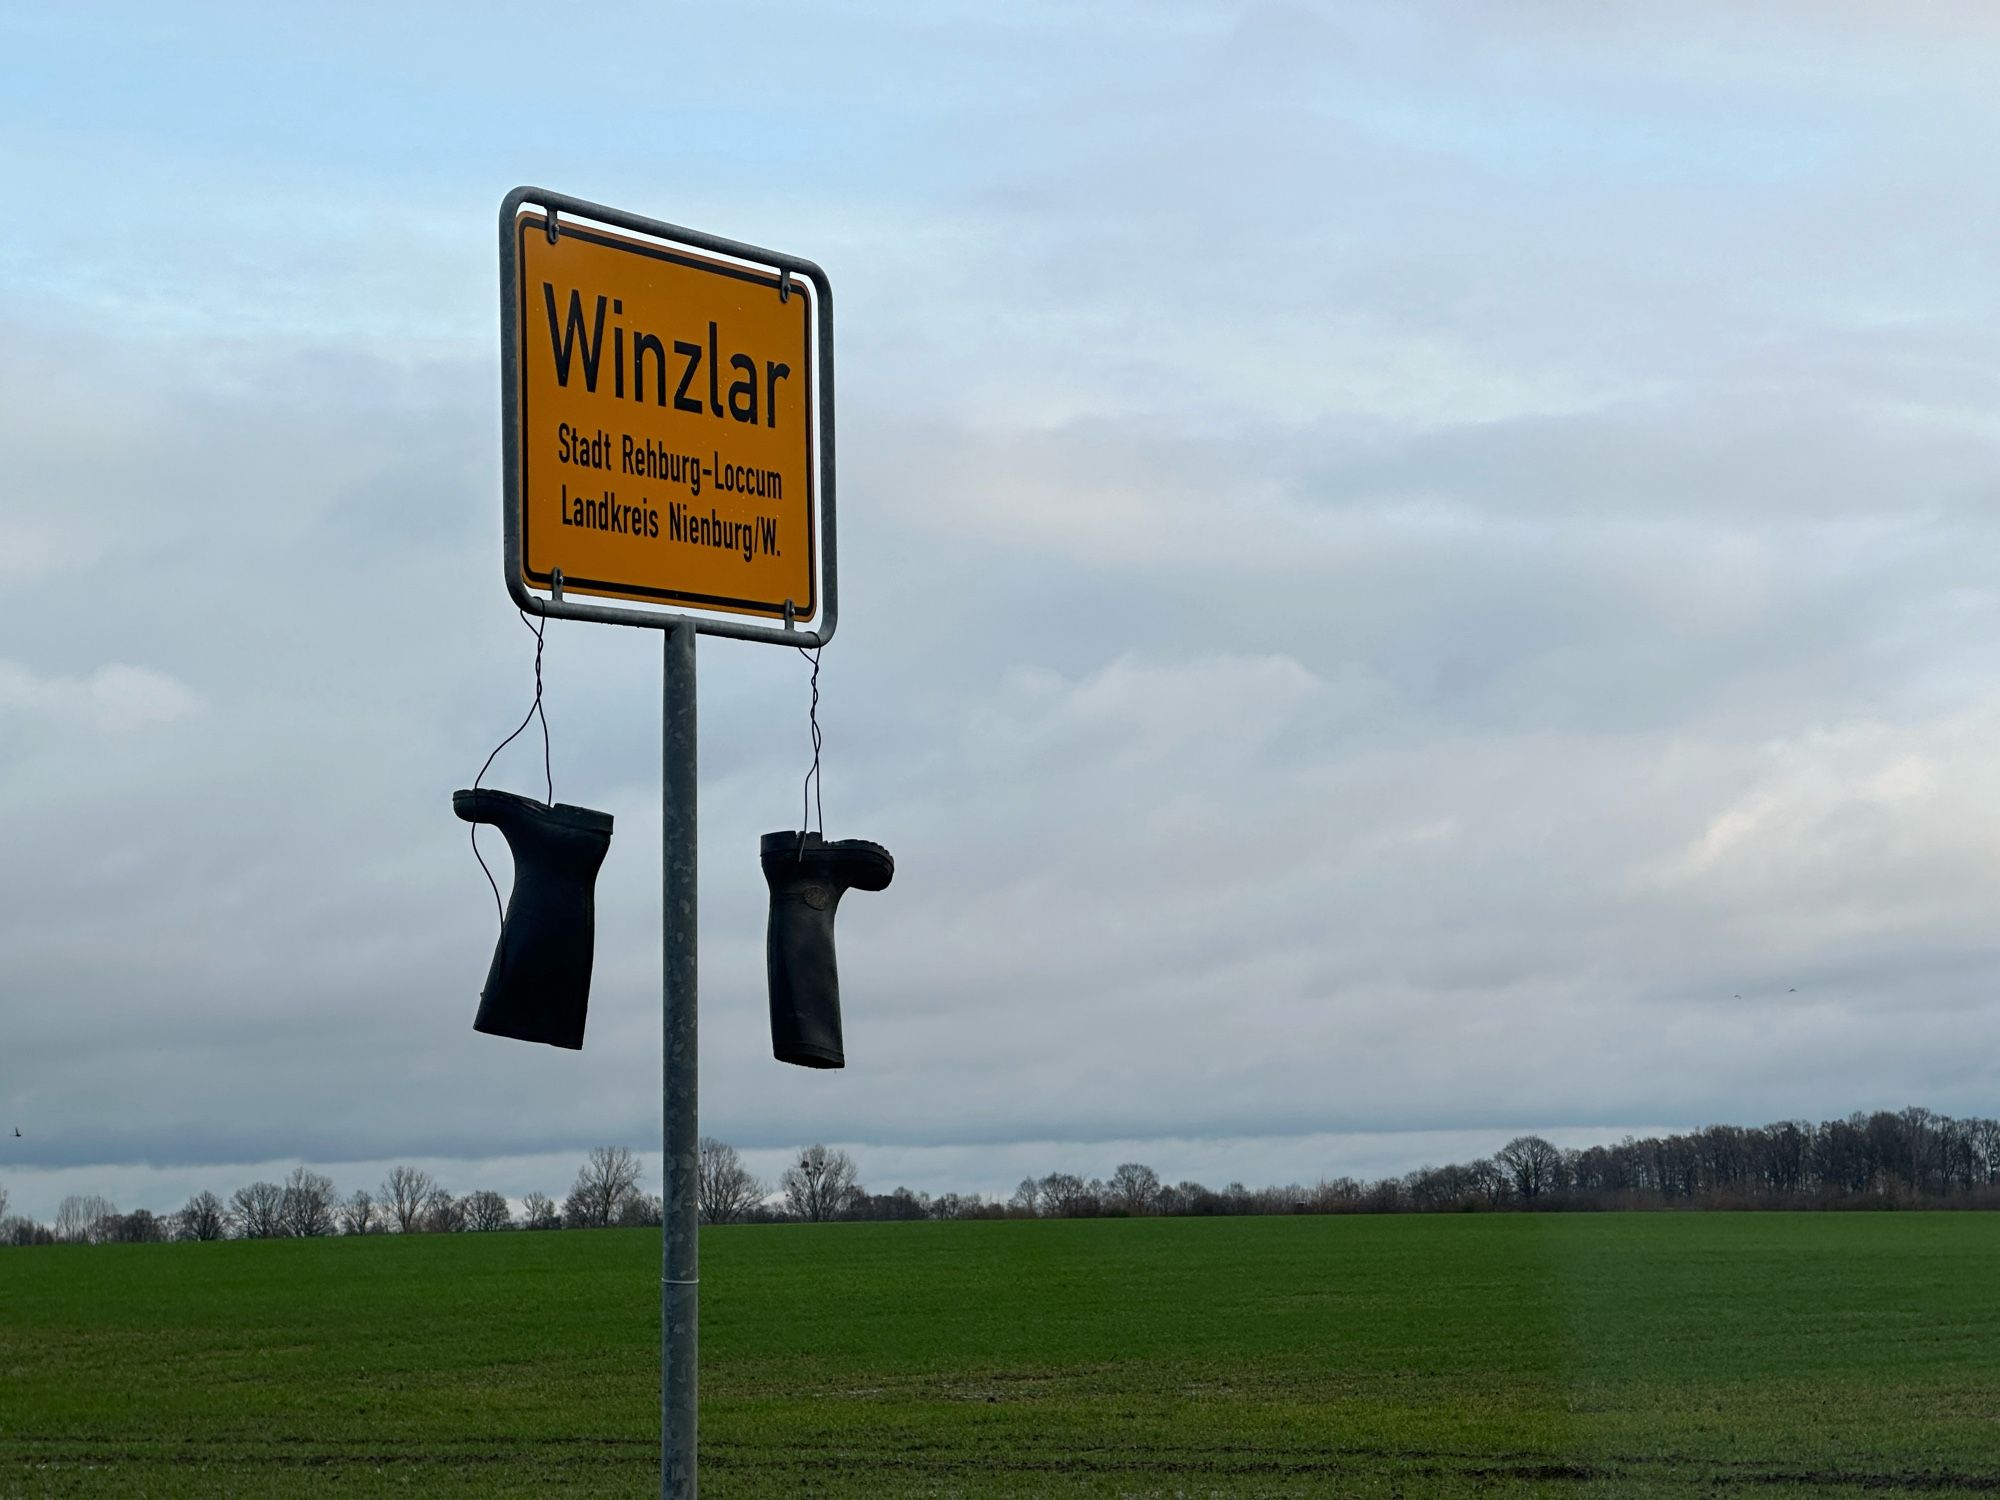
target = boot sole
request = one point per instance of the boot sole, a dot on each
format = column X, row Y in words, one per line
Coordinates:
column 487, row 805
column 874, row 866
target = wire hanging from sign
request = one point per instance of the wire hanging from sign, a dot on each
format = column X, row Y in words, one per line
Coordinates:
column 540, row 627
column 813, row 793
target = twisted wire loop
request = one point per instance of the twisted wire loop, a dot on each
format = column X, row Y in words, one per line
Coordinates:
column 813, row 793
column 540, row 626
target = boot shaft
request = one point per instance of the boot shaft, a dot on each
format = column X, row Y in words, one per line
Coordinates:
column 538, row 985
column 807, row 877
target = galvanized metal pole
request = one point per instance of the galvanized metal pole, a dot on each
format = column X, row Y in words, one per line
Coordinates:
column 680, row 1255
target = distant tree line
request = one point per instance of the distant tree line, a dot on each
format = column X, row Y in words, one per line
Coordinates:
column 306, row 1205
column 1907, row 1158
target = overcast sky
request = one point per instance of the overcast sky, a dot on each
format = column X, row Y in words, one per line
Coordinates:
column 1411, row 573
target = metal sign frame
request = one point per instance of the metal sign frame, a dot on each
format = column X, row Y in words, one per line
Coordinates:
column 556, row 605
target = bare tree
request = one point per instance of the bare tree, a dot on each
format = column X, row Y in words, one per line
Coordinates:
column 1024, row 1199
column 103, row 1214
column 725, row 1186
column 257, row 1212
column 443, row 1214
column 1134, row 1188
column 486, row 1211
column 202, row 1218
column 80, row 1218
column 901, row 1205
column 20, row 1231
column 405, row 1191
column 139, row 1227
column 1489, row 1180
column 639, row 1211
column 607, row 1178
column 3, row 1200
column 1062, row 1195
column 1984, row 1134
column 819, row 1184
column 538, row 1211
column 309, row 1206
column 1432, row 1189
column 1533, row 1165
column 358, row 1213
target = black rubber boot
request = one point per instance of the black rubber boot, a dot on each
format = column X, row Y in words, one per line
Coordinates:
column 538, row 986
column 806, row 886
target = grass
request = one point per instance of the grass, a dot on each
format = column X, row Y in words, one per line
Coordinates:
column 1627, row 1355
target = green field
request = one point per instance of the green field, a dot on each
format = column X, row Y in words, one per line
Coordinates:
column 1522, row 1355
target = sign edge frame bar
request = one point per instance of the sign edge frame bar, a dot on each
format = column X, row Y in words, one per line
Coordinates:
column 510, row 443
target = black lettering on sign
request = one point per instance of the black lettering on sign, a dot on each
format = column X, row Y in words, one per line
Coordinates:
column 713, row 404
column 576, row 338
column 743, row 393
column 617, row 353
column 640, row 345
column 564, row 340
column 775, row 370
column 692, row 353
